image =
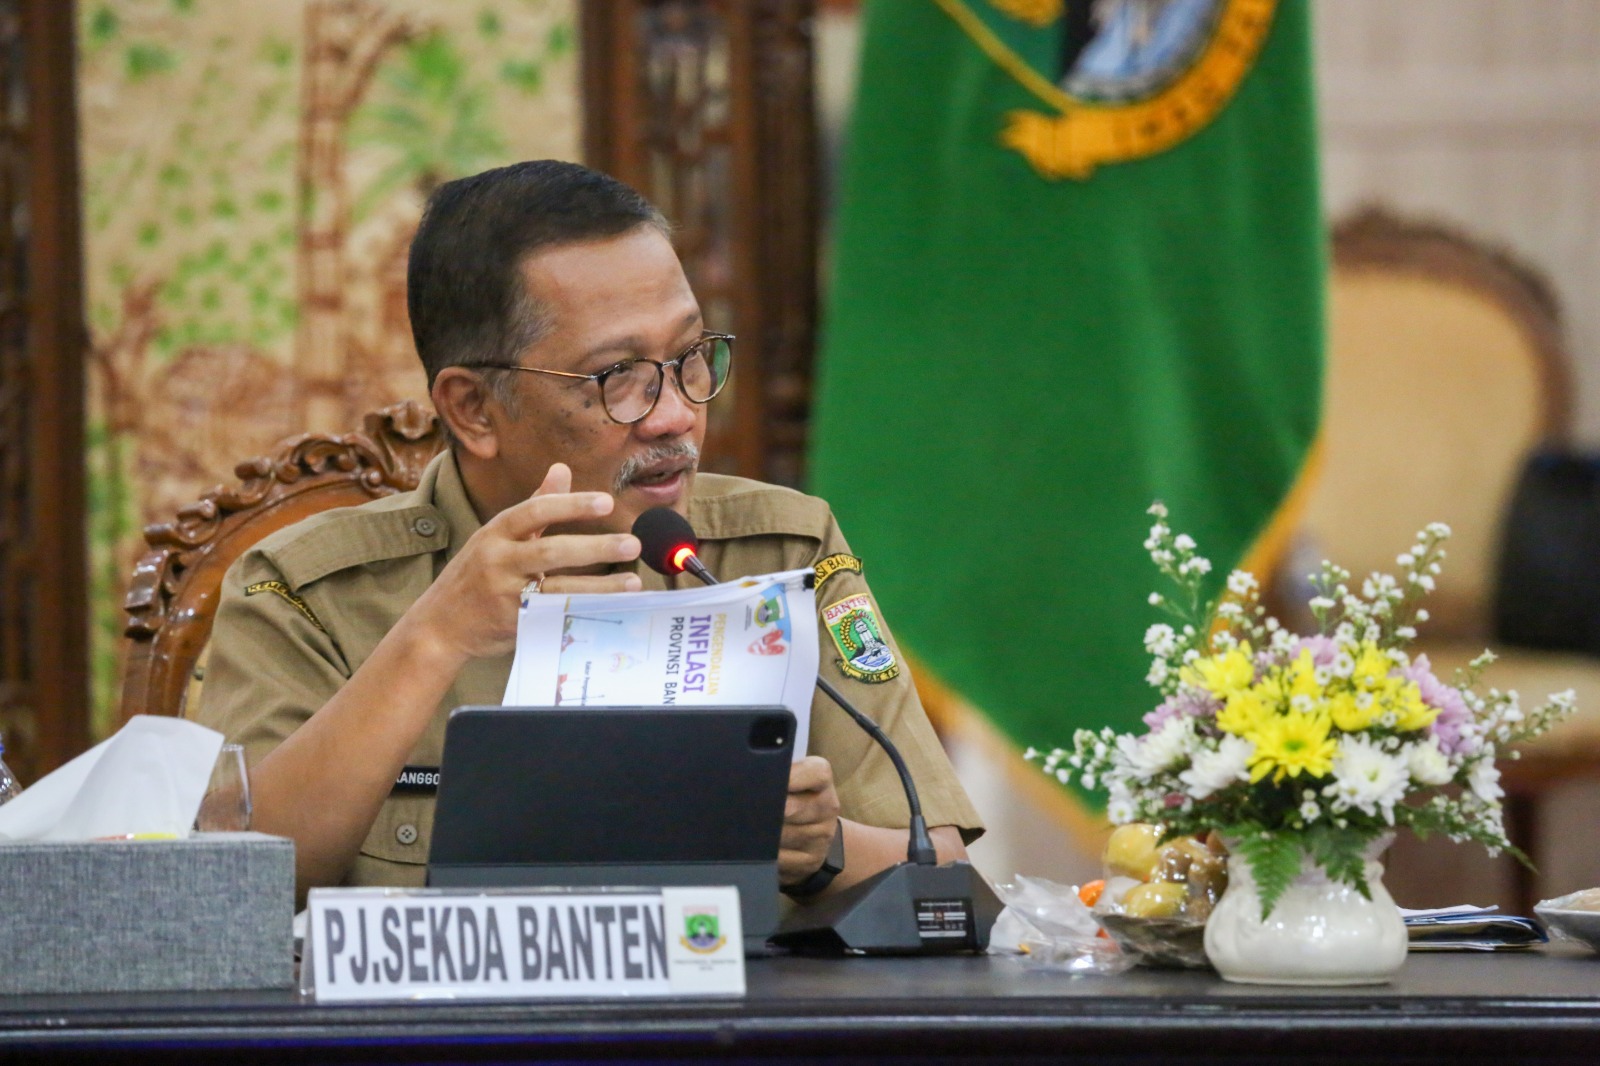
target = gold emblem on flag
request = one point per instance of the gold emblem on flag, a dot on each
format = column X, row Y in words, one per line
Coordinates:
column 1145, row 76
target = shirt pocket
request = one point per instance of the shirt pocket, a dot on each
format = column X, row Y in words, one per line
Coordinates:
column 395, row 851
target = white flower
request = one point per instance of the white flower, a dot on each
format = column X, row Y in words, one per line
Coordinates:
column 1160, row 640
column 1155, row 599
column 1158, row 509
column 1484, row 780
column 1183, row 542
column 1321, row 603
column 1368, row 778
column 1200, row 565
column 1119, row 808
column 1215, row 769
column 1159, row 672
column 1160, row 750
column 1310, row 811
column 1242, row 583
column 1428, row 765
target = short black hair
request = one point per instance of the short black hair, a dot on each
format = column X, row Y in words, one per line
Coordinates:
column 464, row 287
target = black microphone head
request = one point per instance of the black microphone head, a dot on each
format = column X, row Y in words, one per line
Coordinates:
column 663, row 535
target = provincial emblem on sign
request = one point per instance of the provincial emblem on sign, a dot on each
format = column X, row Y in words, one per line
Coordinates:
column 1120, row 79
column 702, row 930
column 855, row 631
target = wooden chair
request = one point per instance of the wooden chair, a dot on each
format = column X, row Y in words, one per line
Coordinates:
column 173, row 596
column 1445, row 368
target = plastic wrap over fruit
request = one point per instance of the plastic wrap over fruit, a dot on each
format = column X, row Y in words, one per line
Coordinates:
column 1051, row 927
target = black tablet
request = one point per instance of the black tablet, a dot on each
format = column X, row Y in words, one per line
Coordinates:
column 640, row 796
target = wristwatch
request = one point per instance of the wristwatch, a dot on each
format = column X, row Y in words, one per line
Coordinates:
column 826, row 872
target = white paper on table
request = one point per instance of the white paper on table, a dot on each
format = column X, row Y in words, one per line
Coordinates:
column 1441, row 912
column 748, row 642
column 148, row 778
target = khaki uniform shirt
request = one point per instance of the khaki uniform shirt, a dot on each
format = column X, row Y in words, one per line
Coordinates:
column 305, row 608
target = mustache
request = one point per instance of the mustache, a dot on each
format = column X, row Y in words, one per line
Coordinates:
column 635, row 465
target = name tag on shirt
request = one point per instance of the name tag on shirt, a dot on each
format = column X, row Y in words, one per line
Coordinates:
column 418, row 779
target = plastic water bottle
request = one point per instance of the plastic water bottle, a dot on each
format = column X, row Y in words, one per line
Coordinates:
column 10, row 788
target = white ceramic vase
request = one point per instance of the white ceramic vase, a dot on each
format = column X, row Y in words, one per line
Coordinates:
column 1321, row 932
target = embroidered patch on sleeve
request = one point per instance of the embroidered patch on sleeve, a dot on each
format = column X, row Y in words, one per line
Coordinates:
column 855, row 631
column 833, row 564
column 280, row 589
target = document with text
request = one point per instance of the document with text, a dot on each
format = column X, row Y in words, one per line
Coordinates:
column 747, row 642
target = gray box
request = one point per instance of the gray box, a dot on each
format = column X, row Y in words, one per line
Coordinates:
column 211, row 912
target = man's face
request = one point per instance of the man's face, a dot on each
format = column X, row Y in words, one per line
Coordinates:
column 610, row 300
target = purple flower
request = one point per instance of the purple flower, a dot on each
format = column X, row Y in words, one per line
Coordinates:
column 1453, row 713
column 1324, row 650
column 1186, row 702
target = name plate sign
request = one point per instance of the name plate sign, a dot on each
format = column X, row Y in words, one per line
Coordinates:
column 376, row 944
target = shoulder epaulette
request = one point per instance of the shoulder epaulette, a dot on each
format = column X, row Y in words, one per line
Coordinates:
column 354, row 536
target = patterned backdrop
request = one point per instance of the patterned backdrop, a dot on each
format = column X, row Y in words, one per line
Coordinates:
column 252, row 176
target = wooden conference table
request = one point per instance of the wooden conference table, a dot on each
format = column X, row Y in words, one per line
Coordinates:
column 1539, row 1006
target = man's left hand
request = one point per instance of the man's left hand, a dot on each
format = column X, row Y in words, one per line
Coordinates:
column 810, row 818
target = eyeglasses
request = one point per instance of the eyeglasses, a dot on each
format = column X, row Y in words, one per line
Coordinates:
column 629, row 390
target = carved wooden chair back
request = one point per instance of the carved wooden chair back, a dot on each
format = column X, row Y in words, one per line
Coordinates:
column 172, row 598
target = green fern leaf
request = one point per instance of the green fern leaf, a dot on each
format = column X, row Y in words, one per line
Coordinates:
column 1342, row 854
column 1274, row 860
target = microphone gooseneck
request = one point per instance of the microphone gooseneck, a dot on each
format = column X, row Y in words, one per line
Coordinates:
column 668, row 545
column 919, row 848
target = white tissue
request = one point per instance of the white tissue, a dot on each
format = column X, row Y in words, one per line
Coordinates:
column 148, row 778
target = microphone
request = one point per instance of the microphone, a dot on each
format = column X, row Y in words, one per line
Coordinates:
column 668, row 544
column 913, row 908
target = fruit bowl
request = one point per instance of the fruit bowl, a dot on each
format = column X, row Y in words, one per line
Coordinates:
column 1573, row 917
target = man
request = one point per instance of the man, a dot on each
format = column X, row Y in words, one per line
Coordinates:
column 570, row 363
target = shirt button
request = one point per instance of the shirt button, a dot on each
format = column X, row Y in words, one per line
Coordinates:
column 406, row 834
column 424, row 527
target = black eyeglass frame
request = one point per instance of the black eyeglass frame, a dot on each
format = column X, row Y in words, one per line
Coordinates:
column 676, row 363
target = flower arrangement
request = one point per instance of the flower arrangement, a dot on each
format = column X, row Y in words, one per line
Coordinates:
column 1296, row 747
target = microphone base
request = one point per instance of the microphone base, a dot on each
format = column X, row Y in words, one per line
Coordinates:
column 909, row 909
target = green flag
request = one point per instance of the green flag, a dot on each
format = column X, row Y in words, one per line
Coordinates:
column 1078, row 266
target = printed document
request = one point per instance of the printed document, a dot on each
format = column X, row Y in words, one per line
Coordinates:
column 742, row 643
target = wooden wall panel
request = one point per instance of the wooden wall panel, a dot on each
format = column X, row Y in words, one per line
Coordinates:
column 706, row 106
column 43, row 604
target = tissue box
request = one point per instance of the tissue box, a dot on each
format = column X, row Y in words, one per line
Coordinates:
column 211, row 912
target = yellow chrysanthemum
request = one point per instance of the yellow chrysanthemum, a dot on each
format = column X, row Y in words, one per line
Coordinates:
column 1293, row 744
column 1353, row 713
column 1243, row 713
column 1410, row 713
column 1296, row 679
column 1300, row 679
column 1372, row 668
column 1222, row 675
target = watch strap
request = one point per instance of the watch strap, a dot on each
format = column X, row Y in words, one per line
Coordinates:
column 824, row 875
